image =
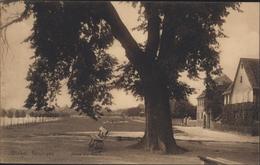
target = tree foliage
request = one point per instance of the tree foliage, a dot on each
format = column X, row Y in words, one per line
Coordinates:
column 188, row 42
column 70, row 45
column 183, row 108
column 70, row 41
column 214, row 98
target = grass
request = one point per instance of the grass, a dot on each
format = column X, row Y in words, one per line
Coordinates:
column 57, row 142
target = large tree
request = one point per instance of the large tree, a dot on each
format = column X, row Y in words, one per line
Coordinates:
column 70, row 41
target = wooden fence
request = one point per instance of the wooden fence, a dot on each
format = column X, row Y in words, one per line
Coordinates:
column 14, row 121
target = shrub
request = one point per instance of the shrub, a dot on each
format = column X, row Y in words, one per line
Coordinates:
column 239, row 114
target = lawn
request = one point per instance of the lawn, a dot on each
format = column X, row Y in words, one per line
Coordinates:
column 58, row 142
column 66, row 141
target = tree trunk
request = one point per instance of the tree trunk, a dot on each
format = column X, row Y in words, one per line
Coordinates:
column 158, row 132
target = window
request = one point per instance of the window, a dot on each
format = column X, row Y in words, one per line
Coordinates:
column 242, row 66
column 241, row 79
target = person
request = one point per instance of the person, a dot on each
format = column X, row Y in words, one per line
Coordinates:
column 188, row 119
column 185, row 121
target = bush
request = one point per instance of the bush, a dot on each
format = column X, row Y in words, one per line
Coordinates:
column 241, row 114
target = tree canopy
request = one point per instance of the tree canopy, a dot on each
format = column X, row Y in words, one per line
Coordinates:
column 70, row 45
column 70, row 39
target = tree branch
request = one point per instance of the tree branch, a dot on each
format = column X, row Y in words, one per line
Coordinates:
column 167, row 38
column 121, row 33
column 153, row 30
column 11, row 22
column 23, row 16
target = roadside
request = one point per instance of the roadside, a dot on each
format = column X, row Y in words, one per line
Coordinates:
column 200, row 134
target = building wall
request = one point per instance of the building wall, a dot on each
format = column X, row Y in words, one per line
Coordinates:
column 242, row 91
column 257, row 97
column 227, row 98
column 200, row 109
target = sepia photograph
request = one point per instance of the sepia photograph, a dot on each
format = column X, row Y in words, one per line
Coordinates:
column 129, row 82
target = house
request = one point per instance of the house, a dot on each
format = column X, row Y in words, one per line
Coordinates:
column 241, row 99
column 207, row 113
column 245, row 87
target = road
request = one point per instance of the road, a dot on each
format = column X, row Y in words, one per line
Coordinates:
column 234, row 147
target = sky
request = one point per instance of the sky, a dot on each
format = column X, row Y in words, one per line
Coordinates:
column 242, row 30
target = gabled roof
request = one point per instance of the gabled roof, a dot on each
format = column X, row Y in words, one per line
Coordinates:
column 229, row 89
column 252, row 69
column 223, row 79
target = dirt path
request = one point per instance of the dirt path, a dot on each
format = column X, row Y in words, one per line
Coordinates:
column 198, row 133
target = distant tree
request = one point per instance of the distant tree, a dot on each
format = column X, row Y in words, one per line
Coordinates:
column 17, row 113
column 182, row 108
column 215, row 99
column 3, row 113
column 10, row 114
column 134, row 111
column 70, row 40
